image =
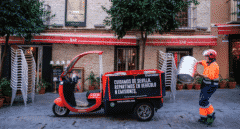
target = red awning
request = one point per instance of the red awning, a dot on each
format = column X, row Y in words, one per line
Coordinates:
column 110, row 39
column 93, row 39
column 228, row 28
column 194, row 40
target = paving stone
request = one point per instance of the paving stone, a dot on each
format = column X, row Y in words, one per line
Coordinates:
column 184, row 114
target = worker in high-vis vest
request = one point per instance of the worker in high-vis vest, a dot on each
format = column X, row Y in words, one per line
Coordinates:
column 209, row 86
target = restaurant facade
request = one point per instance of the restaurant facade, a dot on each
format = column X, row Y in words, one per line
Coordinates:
column 61, row 42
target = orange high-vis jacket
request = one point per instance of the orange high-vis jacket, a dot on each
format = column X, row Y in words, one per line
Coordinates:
column 212, row 71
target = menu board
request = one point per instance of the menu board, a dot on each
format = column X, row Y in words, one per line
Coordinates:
column 57, row 71
column 75, row 10
column 130, row 86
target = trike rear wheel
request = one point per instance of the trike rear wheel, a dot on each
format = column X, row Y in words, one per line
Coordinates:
column 60, row 111
column 144, row 111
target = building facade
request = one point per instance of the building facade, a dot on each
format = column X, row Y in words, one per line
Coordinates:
column 78, row 27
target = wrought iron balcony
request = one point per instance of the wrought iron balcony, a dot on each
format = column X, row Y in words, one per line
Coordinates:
column 234, row 11
column 188, row 19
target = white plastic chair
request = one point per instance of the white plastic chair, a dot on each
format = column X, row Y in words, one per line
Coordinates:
column 166, row 63
column 19, row 74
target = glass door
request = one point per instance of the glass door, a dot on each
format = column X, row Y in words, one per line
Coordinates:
column 180, row 53
column 234, row 59
column 126, row 59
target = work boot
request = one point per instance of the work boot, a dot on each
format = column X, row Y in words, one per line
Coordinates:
column 210, row 119
column 202, row 120
column 213, row 116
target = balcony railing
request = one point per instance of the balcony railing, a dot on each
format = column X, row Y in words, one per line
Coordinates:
column 188, row 19
column 234, row 10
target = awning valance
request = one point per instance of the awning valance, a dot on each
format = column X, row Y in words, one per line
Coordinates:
column 110, row 39
column 194, row 40
column 228, row 28
column 67, row 38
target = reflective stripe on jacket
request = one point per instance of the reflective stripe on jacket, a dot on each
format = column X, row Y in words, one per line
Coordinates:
column 212, row 70
column 210, row 82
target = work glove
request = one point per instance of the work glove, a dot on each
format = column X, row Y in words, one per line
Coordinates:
column 196, row 74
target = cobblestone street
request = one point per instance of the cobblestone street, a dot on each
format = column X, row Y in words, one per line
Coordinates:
column 184, row 113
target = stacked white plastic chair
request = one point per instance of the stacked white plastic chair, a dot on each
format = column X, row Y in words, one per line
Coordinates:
column 166, row 63
column 31, row 73
column 162, row 63
column 19, row 74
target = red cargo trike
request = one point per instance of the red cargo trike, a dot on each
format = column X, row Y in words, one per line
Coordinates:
column 134, row 91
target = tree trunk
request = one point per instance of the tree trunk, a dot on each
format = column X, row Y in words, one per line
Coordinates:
column 4, row 54
column 144, row 39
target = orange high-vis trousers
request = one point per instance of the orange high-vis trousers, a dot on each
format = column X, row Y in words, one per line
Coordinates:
column 206, row 111
column 206, row 92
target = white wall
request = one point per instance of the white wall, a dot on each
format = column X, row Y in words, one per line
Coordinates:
column 95, row 14
column 203, row 14
column 57, row 8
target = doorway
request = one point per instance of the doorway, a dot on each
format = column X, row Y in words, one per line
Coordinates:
column 126, row 58
column 181, row 52
column 234, row 57
column 37, row 54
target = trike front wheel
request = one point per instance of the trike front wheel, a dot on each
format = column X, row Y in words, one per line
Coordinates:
column 60, row 111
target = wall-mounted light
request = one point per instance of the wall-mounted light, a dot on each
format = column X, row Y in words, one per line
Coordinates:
column 51, row 62
column 68, row 61
column 63, row 62
column 58, row 62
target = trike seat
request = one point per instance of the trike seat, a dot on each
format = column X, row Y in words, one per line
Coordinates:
column 81, row 103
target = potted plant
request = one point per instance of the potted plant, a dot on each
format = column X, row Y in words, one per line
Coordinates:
column 92, row 80
column 0, row 90
column 198, row 82
column 1, row 102
column 41, row 89
column 223, row 83
column 189, row 86
column 179, row 85
column 43, row 85
column 231, row 83
column 168, row 88
column 6, row 90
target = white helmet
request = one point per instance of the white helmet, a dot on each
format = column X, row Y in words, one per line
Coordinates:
column 210, row 53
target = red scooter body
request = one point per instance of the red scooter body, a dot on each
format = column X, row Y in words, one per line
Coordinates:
column 61, row 103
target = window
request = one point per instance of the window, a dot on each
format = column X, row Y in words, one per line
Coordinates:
column 187, row 18
column 126, row 58
column 235, row 11
column 46, row 18
column 183, row 17
column 75, row 14
column 180, row 53
column 238, row 9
